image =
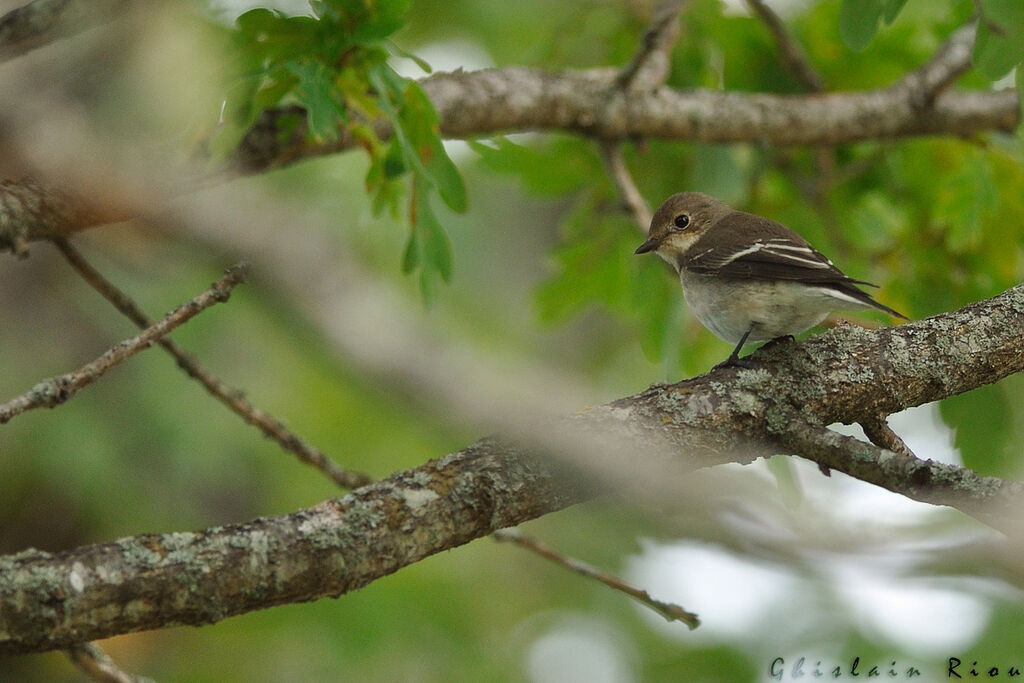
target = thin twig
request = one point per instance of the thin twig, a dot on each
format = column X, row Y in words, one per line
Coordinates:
column 628, row 191
column 97, row 665
column 793, row 56
column 56, row 390
column 649, row 67
column 881, row 434
column 232, row 398
column 670, row 611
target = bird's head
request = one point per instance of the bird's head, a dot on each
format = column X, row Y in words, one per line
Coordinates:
column 679, row 222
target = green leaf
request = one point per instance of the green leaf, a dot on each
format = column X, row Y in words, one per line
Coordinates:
column 445, row 174
column 415, row 123
column 859, row 19
column 1000, row 43
column 436, row 247
column 413, row 255
column 316, row 92
column 257, row 21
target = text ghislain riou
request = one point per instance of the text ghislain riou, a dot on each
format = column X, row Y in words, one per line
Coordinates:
column 955, row 669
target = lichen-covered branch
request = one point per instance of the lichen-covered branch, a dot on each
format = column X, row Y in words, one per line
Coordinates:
column 51, row 600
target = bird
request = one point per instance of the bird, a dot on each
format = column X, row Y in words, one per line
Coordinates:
column 747, row 278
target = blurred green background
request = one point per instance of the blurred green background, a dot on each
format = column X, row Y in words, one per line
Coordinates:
column 788, row 564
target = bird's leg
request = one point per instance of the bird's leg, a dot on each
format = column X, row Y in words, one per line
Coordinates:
column 734, row 357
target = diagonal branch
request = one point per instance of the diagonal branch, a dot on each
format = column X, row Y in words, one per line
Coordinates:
column 882, row 435
column 793, row 56
column 97, row 665
column 924, row 84
column 56, row 390
column 232, row 398
column 650, row 65
column 630, row 194
column 670, row 611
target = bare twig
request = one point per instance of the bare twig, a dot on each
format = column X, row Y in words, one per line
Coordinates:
column 649, row 67
column 881, row 434
column 232, row 398
column 628, row 191
column 97, row 665
column 670, row 611
column 56, row 390
column 793, row 56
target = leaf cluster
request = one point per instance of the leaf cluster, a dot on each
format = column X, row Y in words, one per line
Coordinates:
column 334, row 65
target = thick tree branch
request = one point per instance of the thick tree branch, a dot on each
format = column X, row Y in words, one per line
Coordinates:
column 51, row 600
column 518, row 99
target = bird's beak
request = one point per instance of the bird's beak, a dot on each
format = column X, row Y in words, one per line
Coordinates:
column 650, row 245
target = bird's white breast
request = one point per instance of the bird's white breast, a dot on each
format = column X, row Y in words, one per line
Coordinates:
column 728, row 307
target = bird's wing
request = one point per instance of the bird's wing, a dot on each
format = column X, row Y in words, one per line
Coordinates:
column 746, row 246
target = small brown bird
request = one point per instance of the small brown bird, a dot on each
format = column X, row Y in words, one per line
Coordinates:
column 748, row 278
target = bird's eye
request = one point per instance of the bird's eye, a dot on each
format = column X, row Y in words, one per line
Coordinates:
column 681, row 221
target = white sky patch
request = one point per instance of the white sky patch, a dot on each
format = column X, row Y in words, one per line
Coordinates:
column 447, row 55
column 929, row 618
column 731, row 594
column 579, row 650
column 924, row 433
